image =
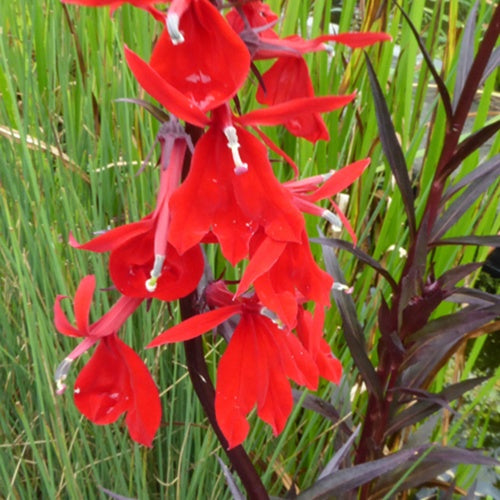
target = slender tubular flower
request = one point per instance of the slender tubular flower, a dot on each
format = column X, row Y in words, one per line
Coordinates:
column 217, row 197
column 254, row 369
column 142, row 262
column 115, row 380
column 199, row 61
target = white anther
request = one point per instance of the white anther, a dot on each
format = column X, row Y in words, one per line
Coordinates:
column 61, row 374
column 234, row 146
column 334, row 221
column 172, row 23
column 155, row 273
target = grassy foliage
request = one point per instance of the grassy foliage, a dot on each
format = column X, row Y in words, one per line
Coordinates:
column 69, row 158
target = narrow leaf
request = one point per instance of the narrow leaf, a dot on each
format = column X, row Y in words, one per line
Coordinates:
column 353, row 332
column 233, row 487
column 493, row 63
column 426, row 407
column 443, row 91
column 492, row 240
column 466, row 55
column 392, row 148
column 471, row 144
column 450, row 278
column 357, row 252
column 334, row 463
column 459, row 207
column 490, row 168
column 345, row 480
column 157, row 112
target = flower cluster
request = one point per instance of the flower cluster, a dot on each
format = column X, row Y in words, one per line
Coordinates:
column 229, row 197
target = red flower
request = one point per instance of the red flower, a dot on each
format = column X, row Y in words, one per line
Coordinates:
column 142, row 262
column 231, row 195
column 284, row 276
column 255, row 23
column 254, row 370
column 289, row 79
column 198, row 63
column 115, row 380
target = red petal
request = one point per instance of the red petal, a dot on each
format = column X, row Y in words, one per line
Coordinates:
column 278, row 402
column 262, row 259
column 206, row 200
column 195, row 326
column 340, row 180
column 114, row 381
column 83, row 299
column 237, row 382
column 281, row 113
column 113, row 238
column 329, row 366
column 102, row 389
column 144, row 415
column 210, row 65
column 61, row 321
column 163, row 92
column 356, row 40
column 289, row 79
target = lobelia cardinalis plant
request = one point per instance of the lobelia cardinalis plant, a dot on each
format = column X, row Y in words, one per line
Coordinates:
column 217, row 187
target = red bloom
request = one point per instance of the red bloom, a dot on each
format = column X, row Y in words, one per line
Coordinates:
column 284, row 276
column 217, row 197
column 254, row 370
column 142, row 262
column 115, row 380
column 255, row 28
column 198, row 63
column 289, row 79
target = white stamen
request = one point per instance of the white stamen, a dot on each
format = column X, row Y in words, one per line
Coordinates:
column 272, row 316
column 155, row 273
column 334, row 221
column 326, row 176
column 402, row 251
column 61, row 374
column 234, row 146
column 342, row 287
column 172, row 23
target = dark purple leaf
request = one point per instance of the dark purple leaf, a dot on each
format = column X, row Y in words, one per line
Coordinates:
column 450, row 278
column 344, row 480
column 157, row 112
column 321, row 407
column 474, row 296
column 233, row 487
column 492, row 240
column 443, row 91
column 432, row 345
column 362, row 256
column 436, row 461
column 352, row 330
column 466, row 55
column 493, row 63
column 490, row 169
column 392, row 148
column 460, row 206
column 336, row 460
column 427, row 405
column 471, row 144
